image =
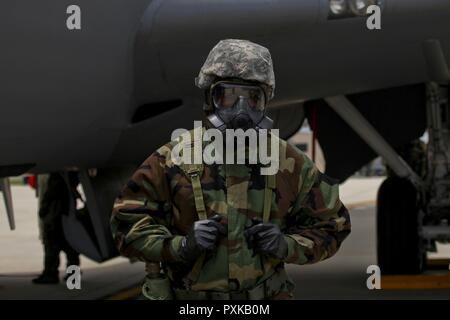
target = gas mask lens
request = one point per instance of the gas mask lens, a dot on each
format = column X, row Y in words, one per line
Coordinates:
column 225, row 95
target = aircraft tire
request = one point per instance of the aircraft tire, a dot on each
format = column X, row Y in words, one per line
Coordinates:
column 398, row 242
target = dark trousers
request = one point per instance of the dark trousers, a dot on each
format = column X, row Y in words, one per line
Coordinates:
column 54, row 243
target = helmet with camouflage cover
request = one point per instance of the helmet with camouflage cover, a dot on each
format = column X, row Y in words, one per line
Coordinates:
column 241, row 59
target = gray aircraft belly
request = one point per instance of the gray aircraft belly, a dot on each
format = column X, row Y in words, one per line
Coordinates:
column 69, row 97
column 65, row 95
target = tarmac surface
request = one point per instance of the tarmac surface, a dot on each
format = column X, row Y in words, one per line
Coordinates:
column 21, row 259
column 343, row 276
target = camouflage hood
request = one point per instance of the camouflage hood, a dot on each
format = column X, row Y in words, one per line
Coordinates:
column 241, row 59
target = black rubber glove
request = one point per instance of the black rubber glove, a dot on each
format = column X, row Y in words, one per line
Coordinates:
column 266, row 238
column 201, row 238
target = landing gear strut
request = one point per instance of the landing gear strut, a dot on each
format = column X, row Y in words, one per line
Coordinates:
column 412, row 213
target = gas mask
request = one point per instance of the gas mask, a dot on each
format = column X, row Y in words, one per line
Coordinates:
column 238, row 106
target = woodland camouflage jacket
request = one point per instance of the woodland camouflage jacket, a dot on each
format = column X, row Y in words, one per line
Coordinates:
column 156, row 208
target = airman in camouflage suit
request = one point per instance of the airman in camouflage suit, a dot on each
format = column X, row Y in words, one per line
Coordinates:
column 156, row 210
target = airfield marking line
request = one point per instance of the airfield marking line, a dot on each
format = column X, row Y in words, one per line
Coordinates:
column 430, row 281
column 126, row 294
column 419, row 281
